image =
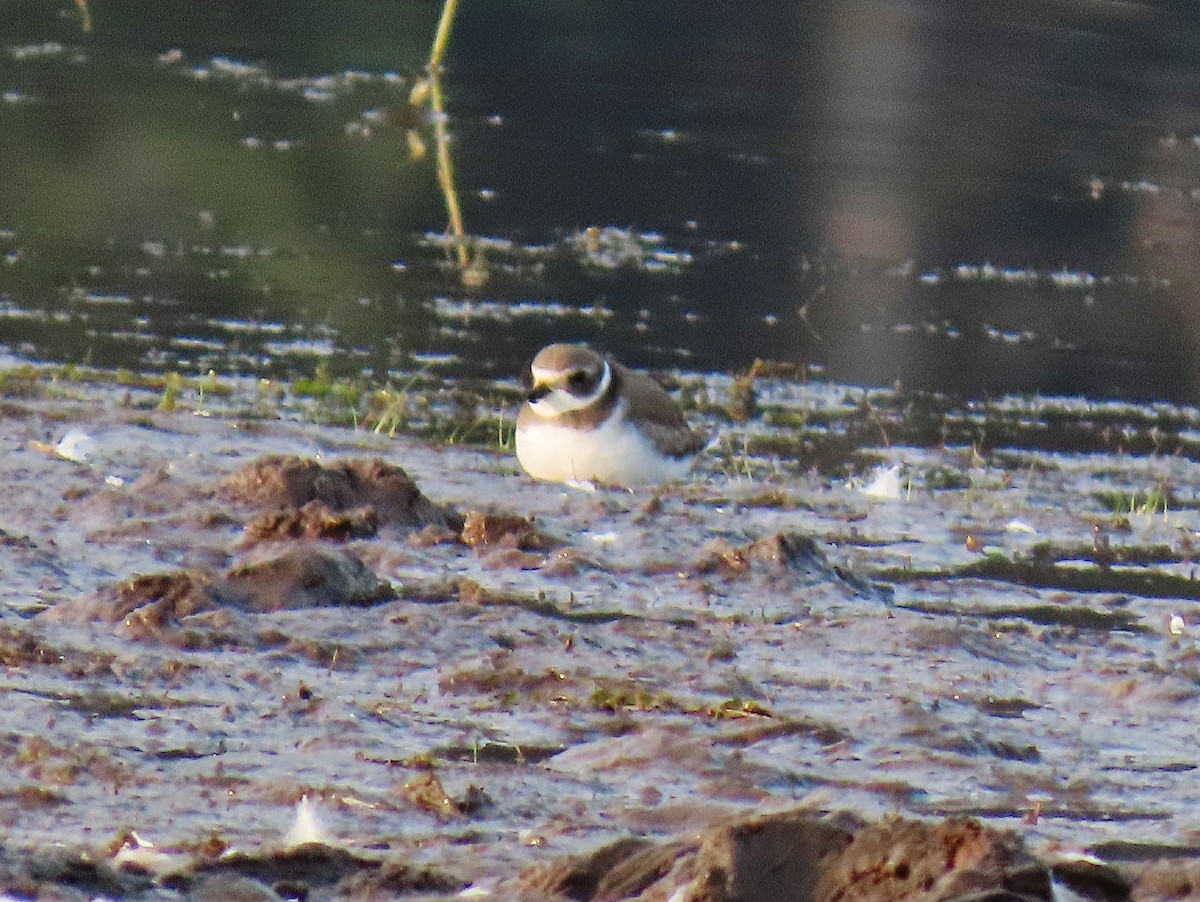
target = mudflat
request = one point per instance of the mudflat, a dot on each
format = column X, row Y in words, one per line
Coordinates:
column 249, row 651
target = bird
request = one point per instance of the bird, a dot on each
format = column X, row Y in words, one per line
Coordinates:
column 587, row 419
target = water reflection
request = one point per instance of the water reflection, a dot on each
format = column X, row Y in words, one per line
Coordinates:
column 999, row 163
column 984, row 199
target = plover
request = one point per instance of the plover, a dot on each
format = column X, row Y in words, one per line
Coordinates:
column 587, row 418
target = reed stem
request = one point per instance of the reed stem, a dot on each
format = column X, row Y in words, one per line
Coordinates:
column 442, row 38
column 445, row 168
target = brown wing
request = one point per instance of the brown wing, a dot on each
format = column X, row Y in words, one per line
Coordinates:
column 658, row 414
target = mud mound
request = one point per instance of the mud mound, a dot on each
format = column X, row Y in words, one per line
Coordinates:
column 904, row 859
column 792, row 556
column 57, row 874
column 310, row 871
column 153, row 599
column 303, row 576
column 800, row 857
column 300, row 576
column 286, row 482
column 315, row 520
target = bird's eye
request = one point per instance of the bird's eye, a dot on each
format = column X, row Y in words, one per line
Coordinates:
column 579, row 382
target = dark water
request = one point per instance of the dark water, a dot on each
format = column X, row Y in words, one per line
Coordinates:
column 971, row 199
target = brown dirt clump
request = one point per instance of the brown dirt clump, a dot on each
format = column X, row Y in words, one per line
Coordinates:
column 315, row 520
column 303, row 576
column 510, row 530
column 425, row 790
column 309, row 871
column 396, row 879
column 285, row 482
column 20, row 648
column 772, row 858
column 905, row 859
column 60, row 875
column 155, row 598
column 581, row 876
column 1168, row 880
column 781, row 551
column 791, row 555
column 795, row 856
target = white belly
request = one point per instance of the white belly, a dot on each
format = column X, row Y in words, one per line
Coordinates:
column 614, row 453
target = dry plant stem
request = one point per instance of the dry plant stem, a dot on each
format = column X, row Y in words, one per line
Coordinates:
column 85, row 16
column 442, row 38
column 445, row 170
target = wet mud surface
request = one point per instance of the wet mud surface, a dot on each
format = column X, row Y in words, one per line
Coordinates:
column 226, row 635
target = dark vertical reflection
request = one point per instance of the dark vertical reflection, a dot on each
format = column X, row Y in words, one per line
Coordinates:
column 1028, row 138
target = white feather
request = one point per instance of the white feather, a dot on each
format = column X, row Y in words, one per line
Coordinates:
column 307, row 826
column 615, row 452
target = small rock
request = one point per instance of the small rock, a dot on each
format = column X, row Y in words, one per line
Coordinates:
column 566, row 562
column 787, row 549
column 795, row 855
column 61, row 873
